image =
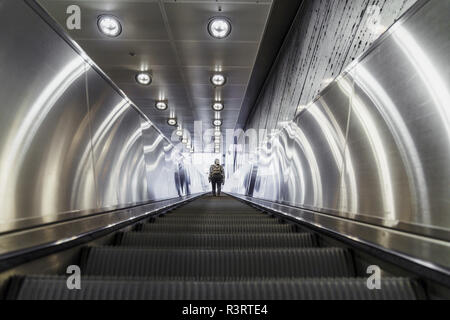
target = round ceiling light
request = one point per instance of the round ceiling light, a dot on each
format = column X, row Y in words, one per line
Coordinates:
column 217, row 122
column 143, row 78
column 218, row 80
column 109, row 26
column 217, row 134
column 172, row 122
column 219, row 27
column 179, row 132
column 218, row 106
column 161, row 105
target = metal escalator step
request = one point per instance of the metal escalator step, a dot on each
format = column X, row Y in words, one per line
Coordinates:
column 219, row 222
column 55, row 288
column 182, row 213
column 202, row 228
column 217, row 217
column 219, row 241
column 219, row 264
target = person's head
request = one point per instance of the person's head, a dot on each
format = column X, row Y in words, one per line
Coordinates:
column 217, row 161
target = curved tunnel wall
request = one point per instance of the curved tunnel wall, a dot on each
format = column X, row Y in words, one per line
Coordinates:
column 375, row 145
column 70, row 144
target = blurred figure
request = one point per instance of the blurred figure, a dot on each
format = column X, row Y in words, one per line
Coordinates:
column 216, row 178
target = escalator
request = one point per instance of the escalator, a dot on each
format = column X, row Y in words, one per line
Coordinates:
column 218, row 249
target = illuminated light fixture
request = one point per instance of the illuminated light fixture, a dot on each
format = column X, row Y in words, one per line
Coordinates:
column 217, row 123
column 179, row 132
column 109, row 26
column 218, row 80
column 143, row 78
column 218, row 106
column 172, row 122
column 217, row 134
column 161, row 105
column 219, row 27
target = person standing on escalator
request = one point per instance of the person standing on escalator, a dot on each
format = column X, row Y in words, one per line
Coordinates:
column 216, row 177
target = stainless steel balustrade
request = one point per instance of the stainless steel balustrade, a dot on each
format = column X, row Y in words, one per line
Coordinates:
column 70, row 142
column 374, row 147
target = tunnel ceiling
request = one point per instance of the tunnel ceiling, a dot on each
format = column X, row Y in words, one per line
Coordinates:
column 170, row 40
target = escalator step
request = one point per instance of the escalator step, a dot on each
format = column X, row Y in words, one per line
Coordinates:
column 185, row 214
column 55, row 288
column 212, row 229
column 255, row 219
column 219, row 264
column 219, row 241
column 217, row 222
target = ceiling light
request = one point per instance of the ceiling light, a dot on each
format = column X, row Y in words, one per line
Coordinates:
column 109, row 26
column 143, row 78
column 179, row 133
column 172, row 122
column 219, row 27
column 217, row 134
column 218, row 80
column 217, row 122
column 161, row 105
column 218, row 106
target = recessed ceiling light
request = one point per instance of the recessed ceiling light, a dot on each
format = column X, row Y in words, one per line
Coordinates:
column 219, row 27
column 143, row 78
column 218, row 106
column 161, row 105
column 179, row 133
column 218, row 80
column 109, row 26
column 217, row 134
column 217, row 122
column 172, row 122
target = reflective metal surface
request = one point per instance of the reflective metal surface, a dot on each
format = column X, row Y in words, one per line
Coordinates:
column 18, row 243
column 429, row 254
column 70, row 144
column 375, row 145
column 44, row 121
column 117, row 146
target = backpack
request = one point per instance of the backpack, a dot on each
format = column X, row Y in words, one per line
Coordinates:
column 216, row 171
